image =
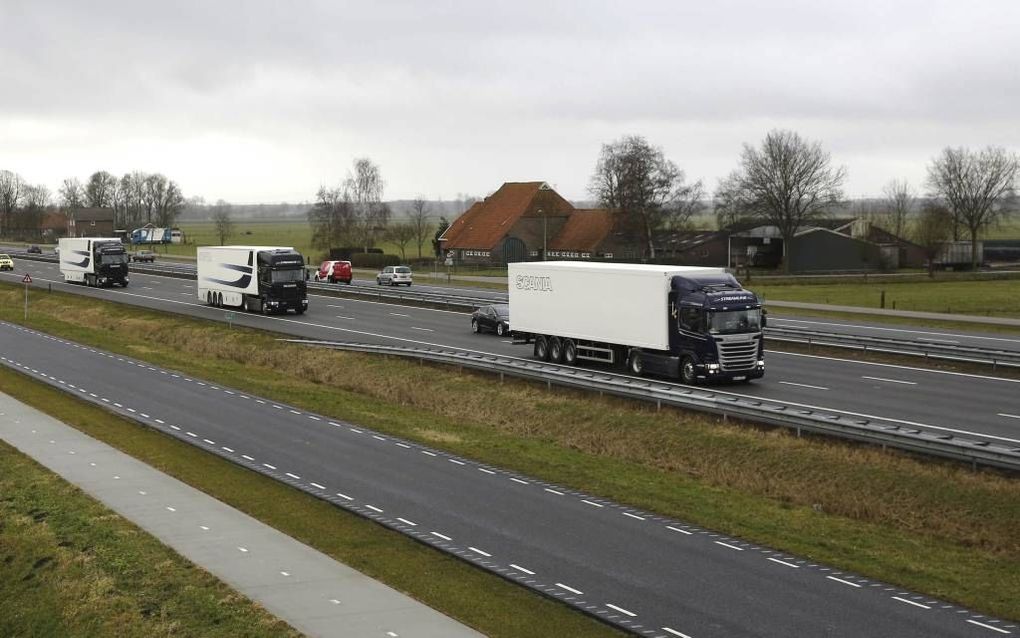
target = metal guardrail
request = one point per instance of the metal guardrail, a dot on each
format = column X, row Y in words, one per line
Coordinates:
column 468, row 303
column 886, row 433
column 949, row 352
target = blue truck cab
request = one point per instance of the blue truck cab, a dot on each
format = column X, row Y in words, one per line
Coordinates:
column 716, row 329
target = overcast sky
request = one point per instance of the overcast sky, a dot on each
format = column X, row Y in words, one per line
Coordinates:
column 264, row 101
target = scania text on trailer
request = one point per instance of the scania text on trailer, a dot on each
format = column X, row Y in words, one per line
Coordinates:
column 678, row 321
column 265, row 279
column 94, row 261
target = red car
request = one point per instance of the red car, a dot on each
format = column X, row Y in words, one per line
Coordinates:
column 335, row 271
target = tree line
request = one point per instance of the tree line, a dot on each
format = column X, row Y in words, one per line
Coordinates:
column 354, row 215
column 136, row 198
column 788, row 182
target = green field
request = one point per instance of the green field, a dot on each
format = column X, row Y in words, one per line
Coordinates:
column 998, row 298
column 296, row 233
column 938, row 528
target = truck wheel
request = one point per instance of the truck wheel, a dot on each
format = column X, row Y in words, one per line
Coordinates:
column 555, row 350
column 299, row 311
column 569, row 352
column 474, row 326
column 501, row 329
column 244, row 304
column 541, row 348
column 687, row 375
column 635, row 364
column 265, row 308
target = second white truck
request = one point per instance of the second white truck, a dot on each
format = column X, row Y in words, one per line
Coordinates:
column 679, row 321
column 267, row 279
column 94, row 261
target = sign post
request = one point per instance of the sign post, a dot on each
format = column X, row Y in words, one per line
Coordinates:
column 27, row 280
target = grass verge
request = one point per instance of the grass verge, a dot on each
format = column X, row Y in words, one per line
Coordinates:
column 71, row 567
column 934, row 527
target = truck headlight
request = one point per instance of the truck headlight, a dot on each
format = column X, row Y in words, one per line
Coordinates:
column 712, row 367
column 761, row 363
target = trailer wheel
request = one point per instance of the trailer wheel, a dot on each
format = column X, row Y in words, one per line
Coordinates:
column 635, row 364
column 569, row 352
column 555, row 350
column 687, row 375
column 208, row 298
column 541, row 348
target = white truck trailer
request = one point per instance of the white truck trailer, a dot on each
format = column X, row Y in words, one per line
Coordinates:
column 265, row 279
column 93, row 261
column 679, row 321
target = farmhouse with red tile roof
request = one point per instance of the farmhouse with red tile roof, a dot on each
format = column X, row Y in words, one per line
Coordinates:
column 522, row 220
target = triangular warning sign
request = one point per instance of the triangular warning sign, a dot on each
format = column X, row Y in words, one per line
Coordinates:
column 27, row 279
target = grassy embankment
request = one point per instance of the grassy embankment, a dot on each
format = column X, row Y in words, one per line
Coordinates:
column 933, row 527
column 71, row 567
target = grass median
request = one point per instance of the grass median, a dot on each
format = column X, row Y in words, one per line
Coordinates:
column 934, row 527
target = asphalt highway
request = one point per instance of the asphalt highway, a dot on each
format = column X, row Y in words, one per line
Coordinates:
column 970, row 406
column 647, row 574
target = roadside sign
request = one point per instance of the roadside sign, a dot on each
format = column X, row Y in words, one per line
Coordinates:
column 229, row 316
column 27, row 280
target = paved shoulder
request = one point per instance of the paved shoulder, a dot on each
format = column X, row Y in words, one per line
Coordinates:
column 307, row 589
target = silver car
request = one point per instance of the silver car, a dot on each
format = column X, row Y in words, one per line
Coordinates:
column 394, row 275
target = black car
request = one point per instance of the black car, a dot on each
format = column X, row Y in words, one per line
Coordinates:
column 495, row 318
column 34, row 249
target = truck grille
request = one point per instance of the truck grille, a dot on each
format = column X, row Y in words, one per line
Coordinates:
column 738, row 355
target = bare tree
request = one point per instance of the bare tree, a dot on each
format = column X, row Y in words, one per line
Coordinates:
column 332, row 218
column 899, row 202
column 100, row 189
column 401, row 234
column 635, row 178
column 72, row 193
column 11, row 186
column 364, row 187
column 978, row 188
column 34, row 200
column 420, row 221
column 221, row 218
column 131, row 197
column 786, row 183
column 933, row 229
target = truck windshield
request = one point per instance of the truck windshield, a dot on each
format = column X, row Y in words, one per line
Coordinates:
column 117, row 258
column 730, row 321
column 288, row 275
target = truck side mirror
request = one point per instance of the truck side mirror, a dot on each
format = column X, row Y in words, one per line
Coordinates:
column 764, row 317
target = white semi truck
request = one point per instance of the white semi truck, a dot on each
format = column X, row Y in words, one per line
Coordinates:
column 265, row 279
column 679, row 321
column 93, row 261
